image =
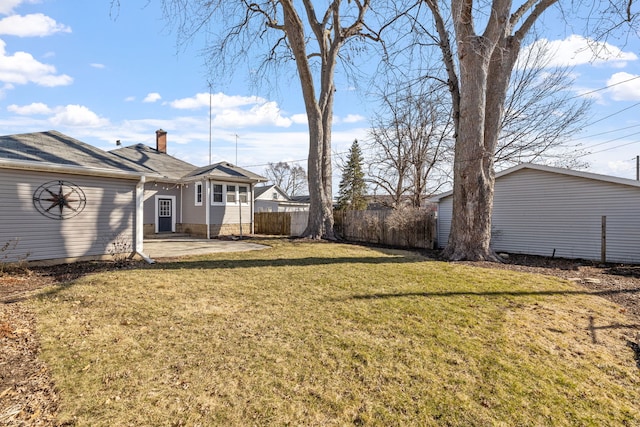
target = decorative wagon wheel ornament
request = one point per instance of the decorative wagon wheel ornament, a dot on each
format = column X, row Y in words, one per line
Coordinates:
column 59, row 199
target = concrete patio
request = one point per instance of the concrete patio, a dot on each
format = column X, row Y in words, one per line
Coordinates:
column 172, row 247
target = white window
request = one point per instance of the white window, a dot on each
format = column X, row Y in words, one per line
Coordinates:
column 217, row 194
column 243, row 192
column 198, row 194
column 275, row 195
column 231, row 194
column 164, row 208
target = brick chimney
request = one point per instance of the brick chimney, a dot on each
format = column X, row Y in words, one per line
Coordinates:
column 161, row 141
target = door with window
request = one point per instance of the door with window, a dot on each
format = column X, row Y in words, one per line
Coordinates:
column 165, row 219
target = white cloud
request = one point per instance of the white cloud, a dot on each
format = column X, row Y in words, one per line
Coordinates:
column 152, row 97
column 130, row 99
column 353, row 118
column 300, row 119
column 76, row 116
column 267, row 113
column 97, row 65
column 7, row 6
column 22, row 68
column 627, row 91
column 33, row 25
column 232, row 112
column 219, row 101
column 29, row 110
column 621, row 168
column 577, row 50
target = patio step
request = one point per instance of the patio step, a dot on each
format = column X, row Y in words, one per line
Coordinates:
column 167, row 236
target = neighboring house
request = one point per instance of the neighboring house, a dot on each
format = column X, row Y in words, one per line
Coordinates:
column 271, row 198
column 542, row 210
column 66, row 200
column 202, row 201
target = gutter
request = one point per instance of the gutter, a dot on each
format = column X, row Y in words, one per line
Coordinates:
column 139, row 225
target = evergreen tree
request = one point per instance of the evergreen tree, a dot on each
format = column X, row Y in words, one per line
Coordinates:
column 353, row 188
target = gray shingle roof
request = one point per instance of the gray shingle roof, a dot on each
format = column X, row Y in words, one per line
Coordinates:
column 55, row 148
column 259, row 191
column 226, row 172
column 157, row 161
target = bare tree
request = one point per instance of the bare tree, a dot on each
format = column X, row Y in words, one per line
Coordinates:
column 479, row 67
column 291, row 179
column 412, row 135
column 478, row 82
column 273, row 33
column 541, row 114
column 411, row 142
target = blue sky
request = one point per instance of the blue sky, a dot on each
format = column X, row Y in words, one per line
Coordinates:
column 74, row 67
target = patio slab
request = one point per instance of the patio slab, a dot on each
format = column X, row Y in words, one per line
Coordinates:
column 183, row 246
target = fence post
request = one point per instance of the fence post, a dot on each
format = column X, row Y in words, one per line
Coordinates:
column 603, row 242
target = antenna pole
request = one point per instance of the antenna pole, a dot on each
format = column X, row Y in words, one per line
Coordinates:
column 209, row 122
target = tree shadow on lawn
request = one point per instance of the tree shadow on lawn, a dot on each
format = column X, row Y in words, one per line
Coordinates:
column 280, row 262
column 492, row 293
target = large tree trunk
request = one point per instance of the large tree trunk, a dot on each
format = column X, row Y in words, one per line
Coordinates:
column 473, row 165
column 478, row 93
column 320, row 223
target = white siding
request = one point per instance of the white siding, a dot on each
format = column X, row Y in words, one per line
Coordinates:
column 230, row 214
column 109, row 213
column 542, row 213
column 266, row 205
column 445, row 208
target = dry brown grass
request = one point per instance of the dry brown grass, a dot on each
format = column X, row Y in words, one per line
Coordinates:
column 329, row 334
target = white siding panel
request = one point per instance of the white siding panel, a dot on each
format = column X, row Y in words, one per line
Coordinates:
column 109, row 213
column 445, row 208
column 544, row 213
column 230, row 214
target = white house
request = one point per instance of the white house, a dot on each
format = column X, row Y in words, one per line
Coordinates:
column 271, row 198
column 548, row 211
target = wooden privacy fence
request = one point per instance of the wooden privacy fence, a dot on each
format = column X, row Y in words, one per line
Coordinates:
column 281, row 223
column 408, row 227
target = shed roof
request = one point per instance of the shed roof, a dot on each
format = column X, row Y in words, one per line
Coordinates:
column 561, row 171
column 45, row 150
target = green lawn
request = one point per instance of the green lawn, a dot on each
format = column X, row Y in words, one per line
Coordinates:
column 330, row 334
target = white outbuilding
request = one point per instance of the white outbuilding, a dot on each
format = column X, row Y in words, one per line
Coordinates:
column 548, row 211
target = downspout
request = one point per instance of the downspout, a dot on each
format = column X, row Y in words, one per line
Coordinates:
column 208, row 207
column 139, row 225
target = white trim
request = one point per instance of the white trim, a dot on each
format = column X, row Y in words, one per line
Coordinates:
column 195, row 193
column 224, row 194
column 253, row 208
column 173, row 211
column 237, row 186
column 207, row 210
column 139, row 222
column 139, row 225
